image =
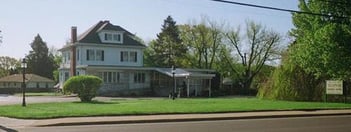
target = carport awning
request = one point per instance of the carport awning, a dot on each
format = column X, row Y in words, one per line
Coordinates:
column 181, row 73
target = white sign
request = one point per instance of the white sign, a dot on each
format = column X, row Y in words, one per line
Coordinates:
column 334, row 87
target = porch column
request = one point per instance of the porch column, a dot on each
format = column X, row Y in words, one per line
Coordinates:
column 188, row 86
column 195, row 86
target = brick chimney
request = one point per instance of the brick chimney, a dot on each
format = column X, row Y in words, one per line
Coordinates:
column 73, row 51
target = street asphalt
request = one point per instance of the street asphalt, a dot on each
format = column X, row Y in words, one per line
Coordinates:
column 291, row 124
column 7, row 124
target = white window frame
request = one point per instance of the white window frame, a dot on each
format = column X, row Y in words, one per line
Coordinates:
column 139, row 77
column 93, row 55
column 111, row 37
column 133, row 56
column 129, row 56
column 124, row 56
column 110, row 76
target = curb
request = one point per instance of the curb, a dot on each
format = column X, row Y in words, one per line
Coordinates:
column 187, row 119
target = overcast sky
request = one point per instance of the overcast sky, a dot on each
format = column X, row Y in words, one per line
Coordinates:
column 22, row 20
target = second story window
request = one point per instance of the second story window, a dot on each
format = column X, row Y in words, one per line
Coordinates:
column 124, row 56
column 90, row 55
column 129, row 56
column 99, row 55
column 95, row 55
column 133, row 56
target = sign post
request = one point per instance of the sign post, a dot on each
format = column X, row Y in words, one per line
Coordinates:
column 334, row 87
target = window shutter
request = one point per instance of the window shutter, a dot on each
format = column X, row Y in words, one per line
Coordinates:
column 121, row 56
column 136, row 56
column 102, row 55
column 87, row 54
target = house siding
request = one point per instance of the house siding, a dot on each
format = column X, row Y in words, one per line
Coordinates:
column 112, row 56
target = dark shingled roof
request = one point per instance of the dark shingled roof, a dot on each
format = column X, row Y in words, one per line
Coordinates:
column 29, row 78
column 91, row 35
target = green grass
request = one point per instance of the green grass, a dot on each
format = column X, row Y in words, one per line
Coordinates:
column 156, row 106
column 40, row 94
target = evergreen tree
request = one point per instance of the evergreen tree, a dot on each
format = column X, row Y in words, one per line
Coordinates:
column 167, row 49
column 39, row 60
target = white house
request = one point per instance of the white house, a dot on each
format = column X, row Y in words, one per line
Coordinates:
column 113, row 54
column 34, row 83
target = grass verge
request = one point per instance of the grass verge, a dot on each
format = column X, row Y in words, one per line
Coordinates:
column 157, row 106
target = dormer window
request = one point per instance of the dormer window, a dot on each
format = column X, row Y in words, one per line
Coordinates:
column 108, row 37
column 117, row 37
column 111, row 37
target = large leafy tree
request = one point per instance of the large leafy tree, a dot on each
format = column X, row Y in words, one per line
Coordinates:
column 167, row 49
column 39, row 60
column 8, row 65
column 323, row 43
column 254, row 49
column 321, row 50
column 204, row 41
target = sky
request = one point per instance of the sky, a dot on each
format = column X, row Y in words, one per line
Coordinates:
column 22, row 20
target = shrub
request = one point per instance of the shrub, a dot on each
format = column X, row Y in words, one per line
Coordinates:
column 291, row 82
column 85, row 86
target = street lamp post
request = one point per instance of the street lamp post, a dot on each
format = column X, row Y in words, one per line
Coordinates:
column 24, row 66
column 174, row 87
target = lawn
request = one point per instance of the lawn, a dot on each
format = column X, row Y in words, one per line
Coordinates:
column 156, row 106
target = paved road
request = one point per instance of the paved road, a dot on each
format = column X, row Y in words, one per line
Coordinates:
column 10, row 99
column 301, row 124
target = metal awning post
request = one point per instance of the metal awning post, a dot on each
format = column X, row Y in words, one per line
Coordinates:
column 188, row 86
column 209, row 90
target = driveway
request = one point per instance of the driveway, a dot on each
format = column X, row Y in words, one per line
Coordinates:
column 6, row 99
column 10, row 99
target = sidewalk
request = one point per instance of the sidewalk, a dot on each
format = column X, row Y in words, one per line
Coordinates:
column 16, row 123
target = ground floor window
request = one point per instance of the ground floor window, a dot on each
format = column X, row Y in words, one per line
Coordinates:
column 139, row 77
column 66, row 76
column 110, row 77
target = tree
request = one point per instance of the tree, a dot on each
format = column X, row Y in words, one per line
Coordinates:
column 256, row 47
column 323, row 43
column 320, row 51
column 57, row 57
column 8, row 65
column 204, row 41
column 290, row 82
column 167, row 49
column 0, row 37
column 85, row 86
column 39, row 60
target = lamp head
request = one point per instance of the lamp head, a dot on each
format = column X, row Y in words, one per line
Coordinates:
column 24, row 63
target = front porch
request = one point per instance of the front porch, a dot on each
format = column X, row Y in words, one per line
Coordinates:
column 186, row 83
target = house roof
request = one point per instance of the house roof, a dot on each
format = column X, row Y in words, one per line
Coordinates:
column 91, row 35
column 179, row 72
column 29, row 78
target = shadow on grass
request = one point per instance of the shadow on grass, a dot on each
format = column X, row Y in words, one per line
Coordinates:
column 96, row 102
column 118, row 99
